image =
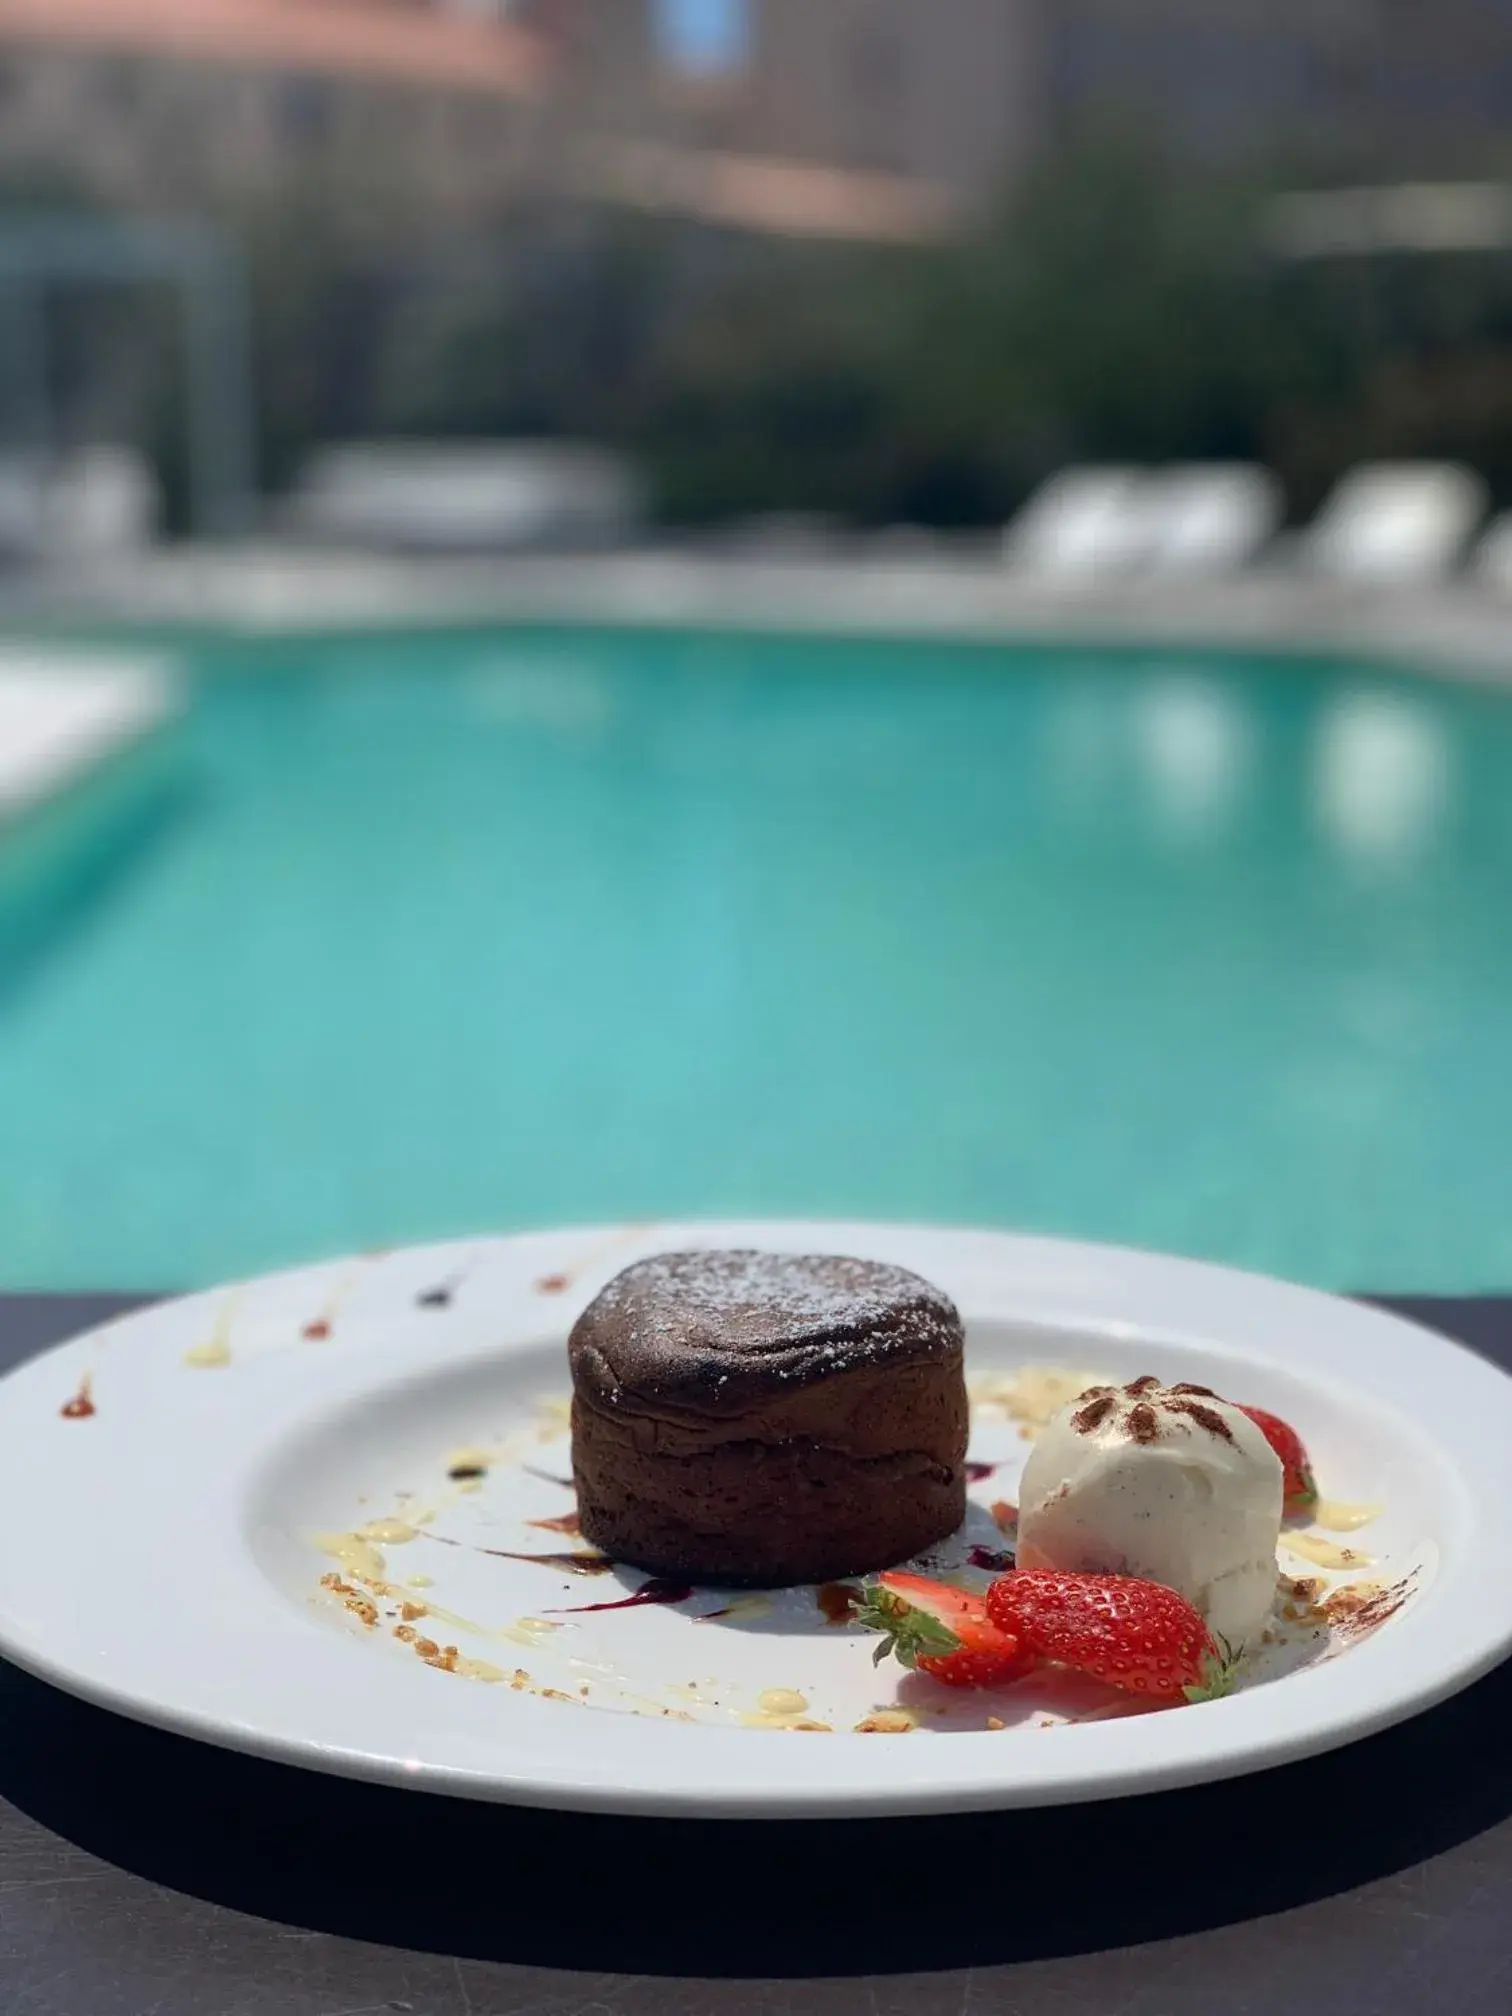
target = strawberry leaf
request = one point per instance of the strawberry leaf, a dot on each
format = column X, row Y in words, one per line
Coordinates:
column 1218, row 1671
column 908, row 1634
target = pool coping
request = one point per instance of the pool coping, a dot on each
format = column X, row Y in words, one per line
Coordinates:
column 1459, row 629
column 65, row 714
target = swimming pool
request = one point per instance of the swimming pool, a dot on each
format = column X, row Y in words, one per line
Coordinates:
column 429, row 933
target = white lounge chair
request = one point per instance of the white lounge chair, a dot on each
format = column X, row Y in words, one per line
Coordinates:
column 464, row 497
column 23, row 504
column 1082, row 525
column 1396, row 522
column 1210, row 517
column 102, row 501
column 1492, row 560
column 91, row 503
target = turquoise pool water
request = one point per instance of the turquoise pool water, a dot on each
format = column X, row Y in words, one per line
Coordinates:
column 415, row 936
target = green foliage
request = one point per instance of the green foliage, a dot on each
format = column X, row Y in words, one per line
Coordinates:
column 1113, row 309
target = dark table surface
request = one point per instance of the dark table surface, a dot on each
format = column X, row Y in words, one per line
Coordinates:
column 143, row 1875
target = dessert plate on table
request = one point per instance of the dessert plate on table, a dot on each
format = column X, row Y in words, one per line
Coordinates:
column 327, row 1517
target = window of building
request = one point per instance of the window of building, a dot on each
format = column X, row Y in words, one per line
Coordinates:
column 707, row 38
column 306, row 110
column 878, row 74
column 119, row 83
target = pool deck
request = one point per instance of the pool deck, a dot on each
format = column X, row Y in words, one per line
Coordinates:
column 64, row 713
column 1462, row 628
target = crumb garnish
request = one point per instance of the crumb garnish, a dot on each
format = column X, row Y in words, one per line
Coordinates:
column 1359, row 1608
column 361, row 1605
column 1035, row 1394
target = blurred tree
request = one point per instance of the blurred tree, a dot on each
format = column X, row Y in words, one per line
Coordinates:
column 539, row 327
column 1111, row 310
column 1105, row 314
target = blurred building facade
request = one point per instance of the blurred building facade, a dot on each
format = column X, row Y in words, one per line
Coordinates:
column 967, row 93
column 168, row 103
column 946, row 95
column 1362, row 88
column 885, row 116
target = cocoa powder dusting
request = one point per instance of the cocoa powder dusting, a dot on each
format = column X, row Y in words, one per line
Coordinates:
column 1093, row 1415
column 1144, row 1422
column 1142, row 1384
column 1205, row 1417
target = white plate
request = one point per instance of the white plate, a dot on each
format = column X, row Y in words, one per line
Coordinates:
column 163, row 1553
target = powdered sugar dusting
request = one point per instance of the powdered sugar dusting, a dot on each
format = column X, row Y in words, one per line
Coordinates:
column 794, row 1314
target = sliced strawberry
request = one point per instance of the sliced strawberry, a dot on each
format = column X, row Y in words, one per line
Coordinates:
column 939, row 1630
column 1298, row 1489
column 952, row 1606
column 1117, row 1628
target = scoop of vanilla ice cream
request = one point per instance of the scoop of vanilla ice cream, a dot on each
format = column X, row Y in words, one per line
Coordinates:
column 1166, row 1482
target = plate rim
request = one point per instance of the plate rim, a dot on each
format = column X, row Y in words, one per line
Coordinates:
column 652, row 1773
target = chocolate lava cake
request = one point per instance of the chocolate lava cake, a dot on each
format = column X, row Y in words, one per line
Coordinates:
column 766, row 1418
